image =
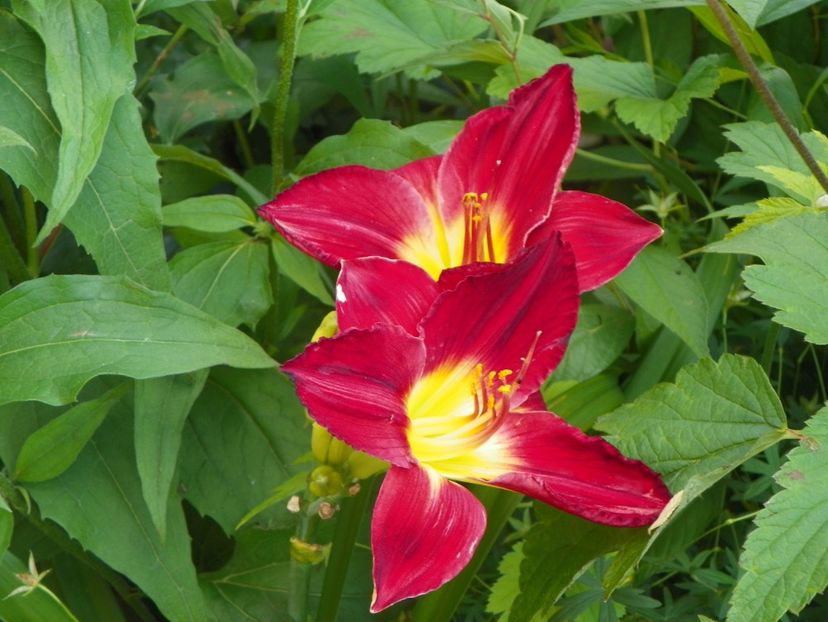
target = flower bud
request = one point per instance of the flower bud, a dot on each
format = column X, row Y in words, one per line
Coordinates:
column 325, row 481
column 327, row 327
column 306, row 552
column 362, row 466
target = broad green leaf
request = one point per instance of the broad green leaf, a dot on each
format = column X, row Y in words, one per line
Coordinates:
column 117, row 216
column 6, row 526
column 507, row 587
column 161, row 407
column 753, row 41
column 764, row 145
column 85, row 592
column 694, row 432
column 89, row 56
column 534, row 57
column 794, row 279
column 658, row 117
column 239, row 68
column 761, row 12
column 600, row 337
column 34, row 607
column 581, row 403
column 436, row 135
column 214, row 214
column 715, row 415
column 303, row 270
column 784, row 557
column 567, row 10
column 241, row 440
column 572, row 542
column 26, row 110
column 295, row 484
column 52, row 449
column 58, row 332
column 199, row 92
column 185, row 155
column 10, row 138
column 228, row 280
column 370, row 142
column 666, row 288
column 766, row 211
column 98, row 502
column 388, row 35
column 153, row 6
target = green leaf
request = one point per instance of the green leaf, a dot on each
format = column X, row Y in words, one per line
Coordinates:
column 117, row 216
column 716, row 415
column 89, row 56
column 58, row 332
column 389, row 35
column 10, row 138
column 581, row 403
column 507, row 587
column 572, row 542
column 567, row 10
column 658, row 117
column 761, row 12
column 180, row 153
column 370, row 142
column 86, row 593
column 161, row 407
column 436, row 135
column 766, row 211
column 784, row 556
column 291, row 486
column 98, row 502
column 765, row 145
column 52, row 449
column 794, row 279
column 600, row 337
column 199, row 92
column 25, row 109
column 229, row 280
column 216, row 213
column 666, row 288
column 303, row 270
column 241, row 440
column 36, row 606
column 6, row 526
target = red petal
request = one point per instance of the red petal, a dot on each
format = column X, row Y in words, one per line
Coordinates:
column 493, row 319
column 556, row 463
column 517, row 153
column 349, row 212
column 424, row 531
column 451, row 278
column 534, row 401
column 354, row 386
column 422, row 175
column 605, row 235
column 376, row 290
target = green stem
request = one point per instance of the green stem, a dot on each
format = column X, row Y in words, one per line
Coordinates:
column 30, row 219
column 765, row 93
column 439, row 606
column 630, row 166
column 19, row 504
column 288, row 56
column 645, row 39
column 11, row 213
column 299, row 573
column 10, row 258
column 244, row 145
column 347, row 528
column 770, row 347
column 162, row 56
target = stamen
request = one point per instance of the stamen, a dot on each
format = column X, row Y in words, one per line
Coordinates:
column 527, row 359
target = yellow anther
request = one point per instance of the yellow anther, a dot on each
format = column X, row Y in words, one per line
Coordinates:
column 484, row 196
column 490, row 402
column 505, row 389
column 504, row 373
column 478, row 371
column 470, row 197
column 477, row 218
column 490, row 379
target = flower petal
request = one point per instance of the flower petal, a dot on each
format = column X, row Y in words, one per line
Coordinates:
column 605, row 235
column 493, row 319
column 546, row 458
column 516, row 153
column 350, row 212
column 376, row 290
column 424, row 531
column 353, row 385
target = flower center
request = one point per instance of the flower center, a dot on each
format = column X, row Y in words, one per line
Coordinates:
column 478, row 244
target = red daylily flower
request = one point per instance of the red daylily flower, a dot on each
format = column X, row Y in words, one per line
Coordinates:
column 441, row 379
column 494, row 192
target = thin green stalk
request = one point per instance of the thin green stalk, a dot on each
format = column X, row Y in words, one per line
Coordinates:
column 769, row 348
column 645, row 38
column 11, row 212
column 244, row 145
column 20, row 505
column 820, row 379
column 299, row 573
column 765, row 93
column 162, row 56
column 439, row 606
column 10, row 258
column 288, row 56
column 347, row 528
column 30, row 219
column 630, row 166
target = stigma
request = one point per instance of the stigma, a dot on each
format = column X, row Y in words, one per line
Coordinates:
column 478, row 244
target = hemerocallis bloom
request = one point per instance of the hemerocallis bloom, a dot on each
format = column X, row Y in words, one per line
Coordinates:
column 494, row 192
column 440, row 379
